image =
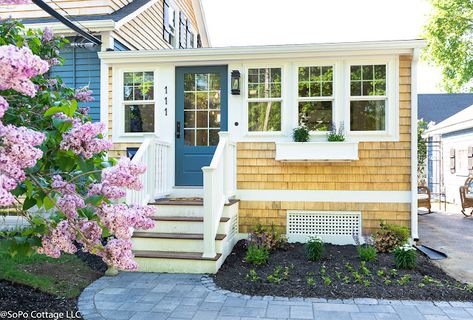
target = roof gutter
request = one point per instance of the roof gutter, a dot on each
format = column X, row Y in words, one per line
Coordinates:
column 66, row 21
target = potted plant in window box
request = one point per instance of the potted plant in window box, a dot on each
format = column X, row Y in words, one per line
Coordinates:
column 301, row 149
column 336, row 136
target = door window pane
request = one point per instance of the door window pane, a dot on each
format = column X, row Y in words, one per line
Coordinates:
column 139, row 118
column 367, row 115
column 264, row 116
column 316, row 115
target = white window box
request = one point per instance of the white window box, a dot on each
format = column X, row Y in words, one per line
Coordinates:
column 316, row 151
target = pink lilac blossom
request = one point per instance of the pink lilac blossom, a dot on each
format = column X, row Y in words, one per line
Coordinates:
column 82, row 139
column 3, row 106
column 91, row 233
column 69, row 203
column 47, row 35
column 121, row 219
column 17, row 66
column 84, row 94
column 59, row 239
column 6, row 185
column 119, row 255
column 54, row 62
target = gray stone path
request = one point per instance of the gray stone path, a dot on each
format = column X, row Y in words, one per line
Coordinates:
column 150, row 296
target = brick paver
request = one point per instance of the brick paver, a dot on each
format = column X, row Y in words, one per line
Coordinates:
column 153, row 296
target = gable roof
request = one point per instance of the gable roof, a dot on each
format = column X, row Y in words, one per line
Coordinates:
column 438, row 107
column 459, row 121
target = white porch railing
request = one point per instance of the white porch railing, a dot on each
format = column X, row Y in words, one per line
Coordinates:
column 153, row 154
column 219, row 186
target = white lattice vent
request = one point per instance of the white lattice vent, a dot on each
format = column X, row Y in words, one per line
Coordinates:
column 333, row 227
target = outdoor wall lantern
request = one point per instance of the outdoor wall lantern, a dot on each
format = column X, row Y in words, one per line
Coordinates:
column 235, row 81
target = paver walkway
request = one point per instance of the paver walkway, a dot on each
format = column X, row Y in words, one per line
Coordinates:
column 151, row 296
column 451, row 233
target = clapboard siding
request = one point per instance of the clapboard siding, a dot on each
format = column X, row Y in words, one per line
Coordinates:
column 81, row 68
column 73, row 7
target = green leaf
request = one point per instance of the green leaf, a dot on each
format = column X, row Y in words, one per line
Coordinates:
column 94, row 200
column 53, row 110
column 48, row 203
column 29, row 203
column 29, row 188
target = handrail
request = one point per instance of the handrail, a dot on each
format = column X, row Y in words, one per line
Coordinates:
column 219, row 186
column 153, row 154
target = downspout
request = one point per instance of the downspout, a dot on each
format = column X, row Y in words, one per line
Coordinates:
column 414, row 216
column 66, row 21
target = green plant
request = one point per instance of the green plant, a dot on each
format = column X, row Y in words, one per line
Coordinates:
column 405, row 257
column 346, row 279
column 366, row 252
column 327, row 281
column 315, row 248
column 257, row 255
column 404, row 280
column 269, row 237
column 357, row 277
column 252, row 276
column 390, row 236
column 367, row 283
column 381, row 273
column 364, row 270
column 301, row 134
column 336, row 136
column 387, row 282
column 279, row 275
column 428, row 280
column 349, row 267
column 393, row 272
column 338, row 275
column 311, row 281
column 323, row 270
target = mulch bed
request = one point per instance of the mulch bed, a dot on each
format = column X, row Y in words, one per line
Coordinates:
column 15, row 297
column 233, row 276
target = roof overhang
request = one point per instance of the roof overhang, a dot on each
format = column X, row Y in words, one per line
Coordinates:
column 95, row 26
column 459, row 121
column 201, row 22
column 297, row 51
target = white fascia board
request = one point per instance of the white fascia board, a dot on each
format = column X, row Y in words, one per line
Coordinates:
column 134, row 14
column 201, row 22
column 326, row 196
column 299, row 51
column 59, row 28
column 443, row 129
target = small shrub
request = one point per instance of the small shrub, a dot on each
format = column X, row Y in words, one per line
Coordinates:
column 405, row 257
column 336, row 136
column 279, row 275
column 390, row 237
column 268, row 237
column 311, row 281
column 367, row 283
column 301, row 134
column 393, row 272
column 349, row 267
column 315, row 248
column 252, row 276
column 346, row 279
column 366, row 251
column 357, row 277
column 404, row 280
column 257, row 255
column 327, row 281
column 364, row 269
column 381, row 273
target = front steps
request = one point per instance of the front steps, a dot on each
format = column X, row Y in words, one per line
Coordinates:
column 175, row 244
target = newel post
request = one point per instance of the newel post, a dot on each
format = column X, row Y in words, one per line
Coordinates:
column 209, row 236
column 224, row 136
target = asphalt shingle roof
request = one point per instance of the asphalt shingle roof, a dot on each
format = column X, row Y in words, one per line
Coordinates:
column 438, row 107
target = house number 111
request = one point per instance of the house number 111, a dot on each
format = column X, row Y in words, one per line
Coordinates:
column 166, row 100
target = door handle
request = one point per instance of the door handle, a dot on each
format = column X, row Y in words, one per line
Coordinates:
column 178, row 130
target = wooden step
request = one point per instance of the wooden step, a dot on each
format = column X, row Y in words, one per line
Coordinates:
column 174, row 255
column 186, row 202
column 178, row 236
column 185, row 219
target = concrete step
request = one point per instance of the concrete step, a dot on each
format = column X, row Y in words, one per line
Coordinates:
column 176, row 262
column 177, row 242
column 181, row 224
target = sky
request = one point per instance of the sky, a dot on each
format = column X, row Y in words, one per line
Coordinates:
column 260, row 22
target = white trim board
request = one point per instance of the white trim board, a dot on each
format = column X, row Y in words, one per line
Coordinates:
column 325, row 196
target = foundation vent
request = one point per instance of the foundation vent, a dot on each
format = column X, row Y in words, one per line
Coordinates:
column 334, row 227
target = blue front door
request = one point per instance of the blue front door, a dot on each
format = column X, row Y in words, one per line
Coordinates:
column 201, row 112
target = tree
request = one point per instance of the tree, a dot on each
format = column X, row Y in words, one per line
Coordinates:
column 449, row 34
column 421, row 151
column 53, row 160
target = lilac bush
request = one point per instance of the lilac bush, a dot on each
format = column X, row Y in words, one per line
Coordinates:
column 53, row 160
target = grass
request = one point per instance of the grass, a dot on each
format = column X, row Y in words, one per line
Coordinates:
column 63, row 277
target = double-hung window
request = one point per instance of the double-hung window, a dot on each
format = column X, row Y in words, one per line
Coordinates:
column 138, row 101
column 264, row 99
column 315, row 97
column 368, row 99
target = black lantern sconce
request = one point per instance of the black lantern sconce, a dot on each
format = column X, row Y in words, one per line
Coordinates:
column 235, row 82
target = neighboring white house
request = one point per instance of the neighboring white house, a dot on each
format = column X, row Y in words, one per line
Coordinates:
column 454, row 135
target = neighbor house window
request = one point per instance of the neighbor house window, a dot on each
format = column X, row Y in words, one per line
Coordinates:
column 169, row 23
column 315, row 97
column 368, row 97
column 264, row 99
column 138, row 101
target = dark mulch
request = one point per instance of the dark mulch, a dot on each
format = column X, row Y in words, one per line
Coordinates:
column 233, row 276
column 19, row 298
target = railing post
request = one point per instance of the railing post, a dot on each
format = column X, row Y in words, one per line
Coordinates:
column 223, row 135
column 209, row 237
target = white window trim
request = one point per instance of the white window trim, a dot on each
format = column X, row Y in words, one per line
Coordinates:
column 247, row 100
column 118, row 102
column 333, row 98
column 175, row 43
column 391, row 132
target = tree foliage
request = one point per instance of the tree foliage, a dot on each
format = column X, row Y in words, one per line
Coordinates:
column 449, row 33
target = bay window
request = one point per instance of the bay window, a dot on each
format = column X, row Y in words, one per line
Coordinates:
column 315, row 97
column 138, row 101
column 368, row 97
column 264, row 99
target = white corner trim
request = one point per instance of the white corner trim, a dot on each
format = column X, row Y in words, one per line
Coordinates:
column 134, row 14
column 201, row 22
column 414, row 215
column 326, row 196
column 104, row 95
